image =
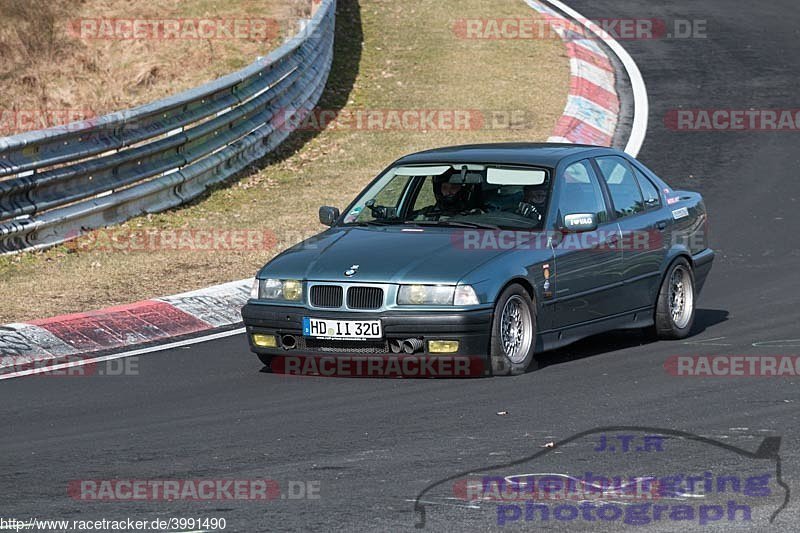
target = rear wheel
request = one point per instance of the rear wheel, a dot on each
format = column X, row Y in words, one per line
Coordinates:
column 513, row 332
column 675, row 306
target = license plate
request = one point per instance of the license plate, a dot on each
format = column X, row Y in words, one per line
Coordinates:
column 342, row 329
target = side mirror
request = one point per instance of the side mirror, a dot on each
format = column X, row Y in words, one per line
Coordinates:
column 328, row 215
column 579, row 222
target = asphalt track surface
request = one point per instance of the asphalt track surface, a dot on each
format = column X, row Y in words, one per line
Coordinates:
column 206, row 411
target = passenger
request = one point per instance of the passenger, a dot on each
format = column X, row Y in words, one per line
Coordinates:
column 534, row 203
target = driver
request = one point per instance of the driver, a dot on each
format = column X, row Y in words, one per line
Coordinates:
column 533, row 203
column 451, row 198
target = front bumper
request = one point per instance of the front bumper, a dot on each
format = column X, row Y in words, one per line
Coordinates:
column 470, row 328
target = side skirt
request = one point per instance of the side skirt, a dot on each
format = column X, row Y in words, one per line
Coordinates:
column 554, row 339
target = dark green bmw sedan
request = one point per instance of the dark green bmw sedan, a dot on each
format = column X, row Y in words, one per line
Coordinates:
column 494, row 252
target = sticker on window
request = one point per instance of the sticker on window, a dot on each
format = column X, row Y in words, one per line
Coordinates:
column 421, row 171
column 515, row 176
column 353, row 214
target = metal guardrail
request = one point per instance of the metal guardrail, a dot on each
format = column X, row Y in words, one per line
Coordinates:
column 58, row 183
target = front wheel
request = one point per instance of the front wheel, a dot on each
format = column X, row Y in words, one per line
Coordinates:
column 675, row 306
column 513, row 332
column 266, row 359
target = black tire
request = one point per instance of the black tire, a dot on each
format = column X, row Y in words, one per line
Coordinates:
column 666, row 326
column 266, row 359
column 501, row 363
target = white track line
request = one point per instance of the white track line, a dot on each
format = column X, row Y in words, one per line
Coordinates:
column 641, row 105
column 110, row 357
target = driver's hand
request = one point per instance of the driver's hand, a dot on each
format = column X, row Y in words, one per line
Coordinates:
column 529, row 211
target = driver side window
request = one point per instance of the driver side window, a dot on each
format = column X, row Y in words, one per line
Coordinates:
column 580, row 192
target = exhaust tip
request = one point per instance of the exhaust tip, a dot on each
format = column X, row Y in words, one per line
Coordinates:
column 395, row 346
column 412, row 345
column 288, row 342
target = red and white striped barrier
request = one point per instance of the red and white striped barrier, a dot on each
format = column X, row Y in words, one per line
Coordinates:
column 592, row 110
column 154, row 321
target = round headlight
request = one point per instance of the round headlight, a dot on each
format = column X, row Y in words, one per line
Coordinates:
column 271, row 289
column 416, row 294
column 292, row 289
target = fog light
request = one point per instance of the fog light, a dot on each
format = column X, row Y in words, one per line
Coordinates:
column 442, row 346
column 265, row 341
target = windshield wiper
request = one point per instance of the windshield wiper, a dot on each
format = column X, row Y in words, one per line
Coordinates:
column 453, row 223
column 376, row 222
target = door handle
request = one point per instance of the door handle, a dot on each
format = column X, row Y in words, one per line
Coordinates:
column 661, row 225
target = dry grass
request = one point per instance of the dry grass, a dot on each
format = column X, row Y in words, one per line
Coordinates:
column 410, row 59
column 46, row 68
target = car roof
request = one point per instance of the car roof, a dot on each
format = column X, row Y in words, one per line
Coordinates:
column 540, row 154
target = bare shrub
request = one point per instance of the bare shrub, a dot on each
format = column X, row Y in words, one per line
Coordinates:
column 32, row 29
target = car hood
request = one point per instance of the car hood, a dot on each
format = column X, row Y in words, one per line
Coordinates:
column 383, row 254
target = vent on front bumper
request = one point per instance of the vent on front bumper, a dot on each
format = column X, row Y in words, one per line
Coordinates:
column 342, row 347
column 329, row 296
column 364, row 297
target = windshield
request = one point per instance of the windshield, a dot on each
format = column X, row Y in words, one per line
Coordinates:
column 456, row 195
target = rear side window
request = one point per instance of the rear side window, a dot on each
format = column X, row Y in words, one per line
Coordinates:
column 580, row 192
column 622, row 186
column 649, row 191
